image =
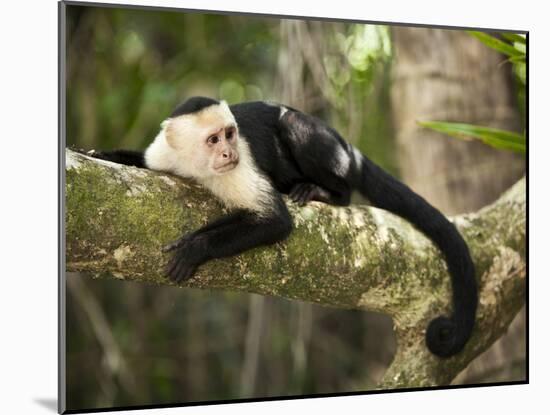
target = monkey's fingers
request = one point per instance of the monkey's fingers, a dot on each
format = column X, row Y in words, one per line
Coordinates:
column 293, row 192
column 182, row 271
column 180, row 268
column 170, row 269
column 302, row 193
column 308, row 196
column 298, row 191
column 96, row 154
column 186, row 271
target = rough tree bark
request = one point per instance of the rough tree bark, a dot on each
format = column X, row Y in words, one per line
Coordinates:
column 118, row 217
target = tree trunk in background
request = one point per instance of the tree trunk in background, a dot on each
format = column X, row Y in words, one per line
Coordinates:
column 302, row 81
column 447, row 75
column 297, row 88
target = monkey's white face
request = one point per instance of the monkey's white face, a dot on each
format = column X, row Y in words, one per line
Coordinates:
column 206, row 146
column 206, row 143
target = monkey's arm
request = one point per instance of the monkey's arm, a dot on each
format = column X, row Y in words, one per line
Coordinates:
column 321, row 156
column 227, row 236
column 222, row 221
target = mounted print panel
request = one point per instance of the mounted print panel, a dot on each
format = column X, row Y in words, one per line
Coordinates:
column 264, row 207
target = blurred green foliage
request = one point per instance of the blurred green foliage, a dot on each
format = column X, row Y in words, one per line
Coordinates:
column 127, row 69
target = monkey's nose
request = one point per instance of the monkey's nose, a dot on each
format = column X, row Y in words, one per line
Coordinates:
column 231, row 155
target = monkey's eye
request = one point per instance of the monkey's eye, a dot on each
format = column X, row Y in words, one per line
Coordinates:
column 229, row 134
column 213, row 139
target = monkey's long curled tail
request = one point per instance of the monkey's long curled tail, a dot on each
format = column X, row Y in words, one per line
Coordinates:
column 445, row 336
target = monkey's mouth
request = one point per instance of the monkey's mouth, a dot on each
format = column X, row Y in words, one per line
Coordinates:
column 230, row 165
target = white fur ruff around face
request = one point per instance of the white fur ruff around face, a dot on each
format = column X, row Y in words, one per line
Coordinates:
column 179, row 149
column 244, row 186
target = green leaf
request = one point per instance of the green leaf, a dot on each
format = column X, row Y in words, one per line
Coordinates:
column 517, row 59
column 501, row 139
column 496, row 44
column 514, row 37
column 521, row 47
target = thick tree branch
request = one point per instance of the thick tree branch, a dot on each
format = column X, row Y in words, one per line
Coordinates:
column 117, row 219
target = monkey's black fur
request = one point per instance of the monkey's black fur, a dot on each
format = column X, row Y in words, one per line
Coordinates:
column 127, row 157
column 192, row 105
column 308, row 160
column 229, row 235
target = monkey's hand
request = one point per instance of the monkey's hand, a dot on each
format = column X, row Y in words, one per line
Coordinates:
column 302, row 193
column 186, row 259
column 97, row 154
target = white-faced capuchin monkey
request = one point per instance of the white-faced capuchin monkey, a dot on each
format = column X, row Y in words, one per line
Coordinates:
column 249, row 154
